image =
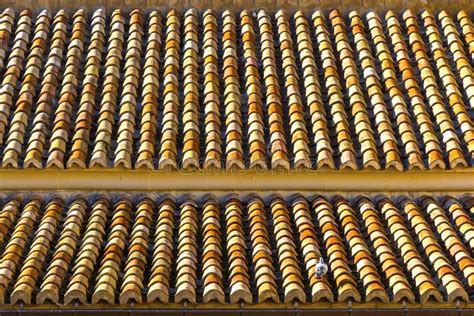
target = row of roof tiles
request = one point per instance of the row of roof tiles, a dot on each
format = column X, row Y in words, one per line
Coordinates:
column 122, row 249
column 236, row 91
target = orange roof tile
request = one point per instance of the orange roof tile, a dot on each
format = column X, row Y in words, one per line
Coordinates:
column 247, row 90
column 119, row 249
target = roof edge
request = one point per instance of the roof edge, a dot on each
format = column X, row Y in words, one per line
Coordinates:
column 321, row 306
column 246, row 180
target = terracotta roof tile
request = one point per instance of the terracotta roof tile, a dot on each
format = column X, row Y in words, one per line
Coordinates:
column 38, row 250
column 467, row 30
column 110, row 92
column 265, row 275
column 359, row 251
column 376, row 101
column 135, row 265
column 338, row 116
column 24, row 102
column 170, row 122
column 274, row 108
column 51, row 285
column 232, row 103
column 7, row 20
column 191, row 106
column 211, row 93
column 463, row 66
column 446, row 75
column 253, row 90
column 186, row 259
column 239, row 276
column 110, row 265
column 87, row 101
column 310, row 249
column 399, row 108
column 128, row 100
column 149, row 113
column 385, row 255
column 462, row 221
column 433, row 251
column 291, row 274
column 354, row 93
column 37, row 140
column 256, row 131
column 14, row 248
column 418, row 106
column 121, row 249
column 319, row 121
column 212, row 252
column 337, row 256
column 409, row 252
column 446, row 126
column 160, row 278
column 295, row 114
column 13, row 69
column 63, row 119
column 86, row 258
column 453, row 243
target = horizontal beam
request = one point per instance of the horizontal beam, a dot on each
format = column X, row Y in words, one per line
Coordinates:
column 197, row 181
column 261, row 312
column 213, row 307
column 322, row 305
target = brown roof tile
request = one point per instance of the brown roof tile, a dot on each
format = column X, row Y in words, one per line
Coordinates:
column 14, row 67
column 265, row 278
column 160, row 277
column 63, row 119
column 121, row 249
column 256, row 131
column 212, row 88
column 64, row 251
column 238, row 265
column 109, row 96
column 87, row 101
column 251, row 90
column 7, row 20
column 38, row 250
column 149, row 113
column 212, row 252
column 467, row 31
column 433, row 251
column 86, row 258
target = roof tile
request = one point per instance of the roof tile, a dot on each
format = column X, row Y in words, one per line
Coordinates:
column 262, row 252
column 61, row 127
column 433, row 251
column 212, row 253
column 7, row 20
column 51, row 286
column 121, row 249
column 260, row 90
column 108, row 103
column 13, row 69
column 38, row 250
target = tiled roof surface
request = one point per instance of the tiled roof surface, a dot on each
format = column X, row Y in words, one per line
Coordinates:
column 122, row 249
column 251, row 89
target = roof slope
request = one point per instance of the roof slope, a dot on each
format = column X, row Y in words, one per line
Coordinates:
column 252, row 90
column 171, row 249
column 122, row 249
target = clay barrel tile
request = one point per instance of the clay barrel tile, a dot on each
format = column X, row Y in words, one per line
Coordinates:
column 109, row 96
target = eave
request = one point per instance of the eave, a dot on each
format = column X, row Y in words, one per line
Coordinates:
column 447, row 181
column 275, row 309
